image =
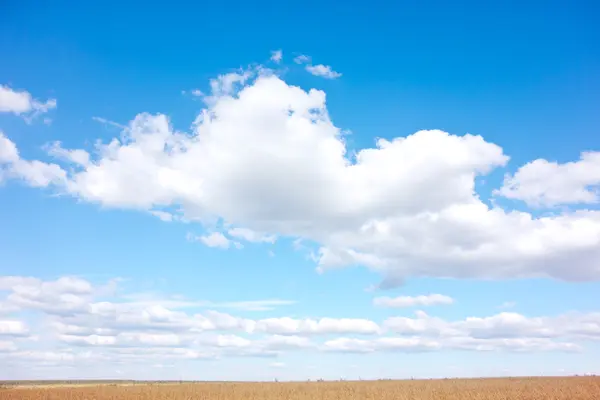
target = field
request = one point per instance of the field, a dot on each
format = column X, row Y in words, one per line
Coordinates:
column 571, row 388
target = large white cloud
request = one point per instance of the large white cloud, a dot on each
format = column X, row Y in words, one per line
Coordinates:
column 265, row 157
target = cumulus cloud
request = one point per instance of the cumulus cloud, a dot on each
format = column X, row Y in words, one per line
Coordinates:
column 34, row 173
column 542, row 183
column 324, row 71
column 22, row 103
column 411, row 301
column 265, row 155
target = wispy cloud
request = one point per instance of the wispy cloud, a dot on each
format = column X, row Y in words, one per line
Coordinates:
column 411, row 301
column 109, row 122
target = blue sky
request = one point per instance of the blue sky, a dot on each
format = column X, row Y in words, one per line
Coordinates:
column 258, row 191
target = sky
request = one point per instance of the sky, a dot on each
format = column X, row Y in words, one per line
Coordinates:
column 264, row 190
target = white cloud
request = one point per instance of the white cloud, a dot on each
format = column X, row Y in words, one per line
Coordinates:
column 286, row 326
column 324, row 71
column 277, row 56
column 162, row 215
column 215, row 239
column 139, row 328
column 505, row 325
column 78, row 157
column 66, row 295
column 542, row 183
column 251, row 236
column 23, row 104
column 7, row 346
column 35, row 173
column 13, row 328
column 265, row 155
column 351, row 345
column 411, row 301
column 302, row 59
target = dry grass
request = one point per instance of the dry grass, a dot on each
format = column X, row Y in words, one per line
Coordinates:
column 573, row 388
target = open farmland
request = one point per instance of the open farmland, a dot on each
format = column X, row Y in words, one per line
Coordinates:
column 571, row 388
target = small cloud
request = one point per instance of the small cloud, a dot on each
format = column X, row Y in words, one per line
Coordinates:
column 277, row 56
column 197, row 92
column 324, row 71
column 215, row 239
column 302, row 59
column 162, row 215
column 277, row 365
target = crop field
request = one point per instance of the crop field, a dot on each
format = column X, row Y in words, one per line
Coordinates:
column 571, row 388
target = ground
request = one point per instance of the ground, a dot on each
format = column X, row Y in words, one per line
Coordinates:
column 559, row 388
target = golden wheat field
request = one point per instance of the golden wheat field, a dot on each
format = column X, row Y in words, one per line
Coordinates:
column 571, row 388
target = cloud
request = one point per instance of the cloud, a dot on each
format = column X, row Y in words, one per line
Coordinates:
column 411, row 301
column 215, row 239
column 251, row 236
column 302, row 59
column 324, row 71
column 64, row 296
column 23, row 104
column 265, row 155
column 74, row 323
column 541, row 183
column 505, row 325
column 78, row 157
column 105, row 121
column 277, row 56
column 13, row 328
column 34, row 173
column 286, row 326
column 351, row 345
column 163, row 215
